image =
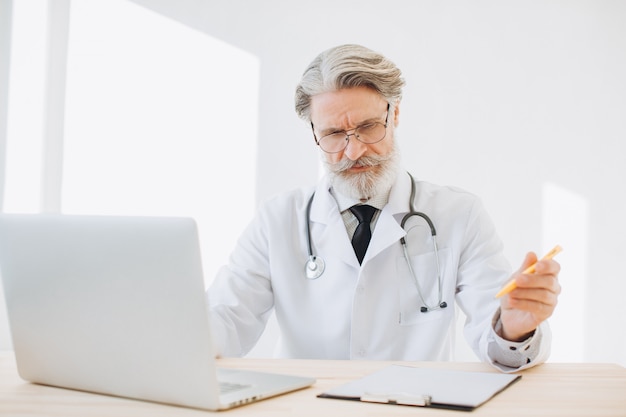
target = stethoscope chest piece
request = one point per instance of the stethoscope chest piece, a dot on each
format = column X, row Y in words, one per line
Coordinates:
column 314, row 267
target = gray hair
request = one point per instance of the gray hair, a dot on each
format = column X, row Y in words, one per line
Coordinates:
column 348, row 66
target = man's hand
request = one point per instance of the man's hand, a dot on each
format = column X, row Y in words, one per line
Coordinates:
column 533, row 301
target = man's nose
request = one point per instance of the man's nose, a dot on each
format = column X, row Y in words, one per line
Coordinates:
column 355, row 148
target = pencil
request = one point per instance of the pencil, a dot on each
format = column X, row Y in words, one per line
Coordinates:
column 530, row 270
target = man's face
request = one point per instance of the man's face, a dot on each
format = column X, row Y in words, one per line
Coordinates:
column 360, row 170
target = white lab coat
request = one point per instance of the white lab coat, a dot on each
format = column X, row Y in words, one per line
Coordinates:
column 361, row 312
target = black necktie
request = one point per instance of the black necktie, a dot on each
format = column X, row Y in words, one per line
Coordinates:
column 363, row 233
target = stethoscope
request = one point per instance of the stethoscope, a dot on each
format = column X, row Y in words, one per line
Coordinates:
column 315, row 265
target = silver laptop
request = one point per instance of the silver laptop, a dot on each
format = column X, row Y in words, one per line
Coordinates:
column 116, row 305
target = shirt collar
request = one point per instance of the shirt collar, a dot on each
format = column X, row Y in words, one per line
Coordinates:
column 378, row 201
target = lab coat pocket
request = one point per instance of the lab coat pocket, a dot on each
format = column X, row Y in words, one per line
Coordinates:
column 421, row 288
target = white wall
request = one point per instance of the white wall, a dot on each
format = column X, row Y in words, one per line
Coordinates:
column 5, row 43
column 511, row 100
column 520, row 102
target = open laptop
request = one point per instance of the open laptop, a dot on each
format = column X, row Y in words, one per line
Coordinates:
column 116, row 305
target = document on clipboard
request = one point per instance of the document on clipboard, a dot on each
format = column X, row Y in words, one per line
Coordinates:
column 425, row 387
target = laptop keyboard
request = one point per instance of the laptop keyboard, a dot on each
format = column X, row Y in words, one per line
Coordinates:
column 228, row 387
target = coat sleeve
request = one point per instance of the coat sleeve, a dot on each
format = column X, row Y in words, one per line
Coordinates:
column 482, row 271
column 240, row 298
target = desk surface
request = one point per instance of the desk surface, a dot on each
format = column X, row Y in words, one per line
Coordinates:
column 566, row 390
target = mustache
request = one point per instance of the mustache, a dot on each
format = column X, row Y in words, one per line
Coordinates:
column 365, row 161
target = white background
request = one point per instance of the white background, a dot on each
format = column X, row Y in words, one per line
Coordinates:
column 186, row 107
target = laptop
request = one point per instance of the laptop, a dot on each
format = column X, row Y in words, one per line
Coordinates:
column 116, row 305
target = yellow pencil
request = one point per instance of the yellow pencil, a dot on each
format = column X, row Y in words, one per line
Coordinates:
column 530, row 270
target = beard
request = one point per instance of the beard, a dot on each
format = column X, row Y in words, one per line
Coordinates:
column 364, row 185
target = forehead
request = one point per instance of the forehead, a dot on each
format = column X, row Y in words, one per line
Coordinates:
column 346, row 107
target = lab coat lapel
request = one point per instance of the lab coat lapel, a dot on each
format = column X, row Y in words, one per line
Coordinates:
column 388, row 231
column 328, row 230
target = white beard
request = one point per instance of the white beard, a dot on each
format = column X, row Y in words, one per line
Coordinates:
column 364, row 185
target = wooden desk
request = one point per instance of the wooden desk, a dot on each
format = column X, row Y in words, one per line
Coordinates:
column 566, row 390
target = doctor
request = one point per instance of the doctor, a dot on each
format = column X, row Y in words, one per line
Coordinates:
column 392, row 297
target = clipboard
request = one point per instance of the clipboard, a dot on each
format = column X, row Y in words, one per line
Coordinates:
column 424, row 387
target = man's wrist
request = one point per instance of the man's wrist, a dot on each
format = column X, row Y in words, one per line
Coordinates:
column 501, row 331
column 514, row 338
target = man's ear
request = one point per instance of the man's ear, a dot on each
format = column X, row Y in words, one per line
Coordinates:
column 396, row 113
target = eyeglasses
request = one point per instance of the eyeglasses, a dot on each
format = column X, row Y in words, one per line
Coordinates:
column 369, row 133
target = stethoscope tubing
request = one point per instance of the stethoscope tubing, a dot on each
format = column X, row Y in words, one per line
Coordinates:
column 314, row 266
column 433, row 233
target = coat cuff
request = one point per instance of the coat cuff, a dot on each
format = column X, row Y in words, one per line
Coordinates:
column 512, row 356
